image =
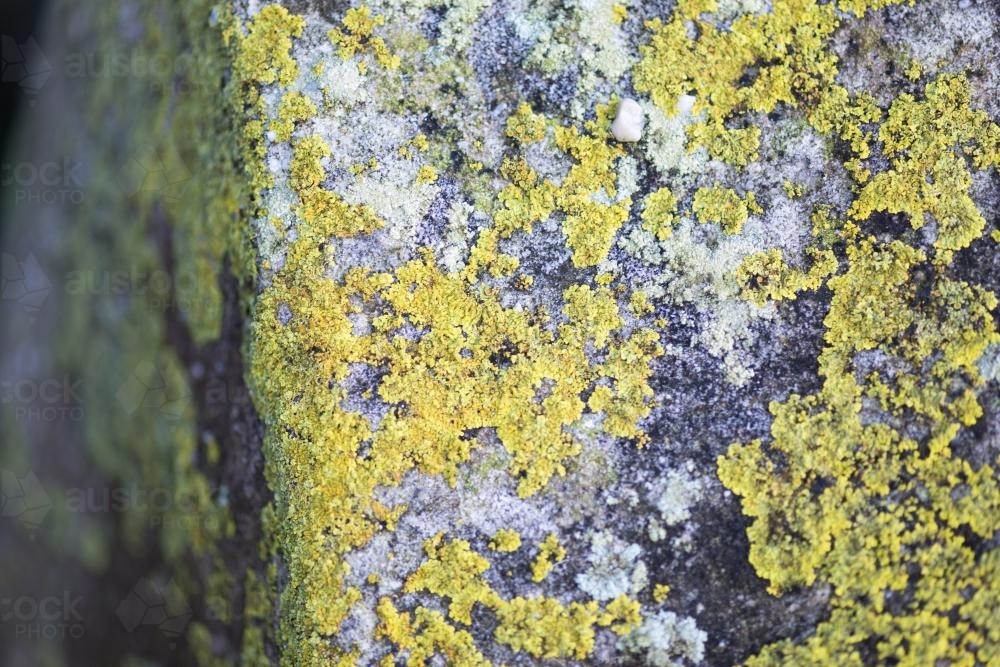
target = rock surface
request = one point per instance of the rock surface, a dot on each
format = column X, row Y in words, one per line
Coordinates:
column 433, row 365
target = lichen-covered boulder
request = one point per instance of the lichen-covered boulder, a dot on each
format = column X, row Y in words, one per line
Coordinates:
column 519, row 333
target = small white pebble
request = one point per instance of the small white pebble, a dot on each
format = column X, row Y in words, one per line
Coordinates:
column 684, row 104
column 628, row 122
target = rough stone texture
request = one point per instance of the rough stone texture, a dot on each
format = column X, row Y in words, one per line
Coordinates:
column 454, row 377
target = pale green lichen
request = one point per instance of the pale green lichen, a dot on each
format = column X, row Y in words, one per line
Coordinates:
column 615, row 568
column 667, row 640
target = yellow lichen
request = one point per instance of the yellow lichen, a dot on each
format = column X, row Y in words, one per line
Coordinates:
column 359, row 37
column 264, row 55
column 858, row 485
column 506, row 540
column 792, row 190
column 474, row 355
column 585, row 197
column 765, row 276
column 550, row 552
column 619, row 12
column 427, row 174
column 718, row 204
column 735, row 147
column 855, row 499
column 659, row 213
column 540, row 626
column 295, row 107
column 760, row 61
column 929, row 175
column 526, row 126
column 640, row 304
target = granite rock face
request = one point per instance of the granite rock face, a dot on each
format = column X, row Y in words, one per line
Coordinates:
column 439, row 363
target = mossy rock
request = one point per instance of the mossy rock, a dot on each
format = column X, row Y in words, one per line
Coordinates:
column 422, row 366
